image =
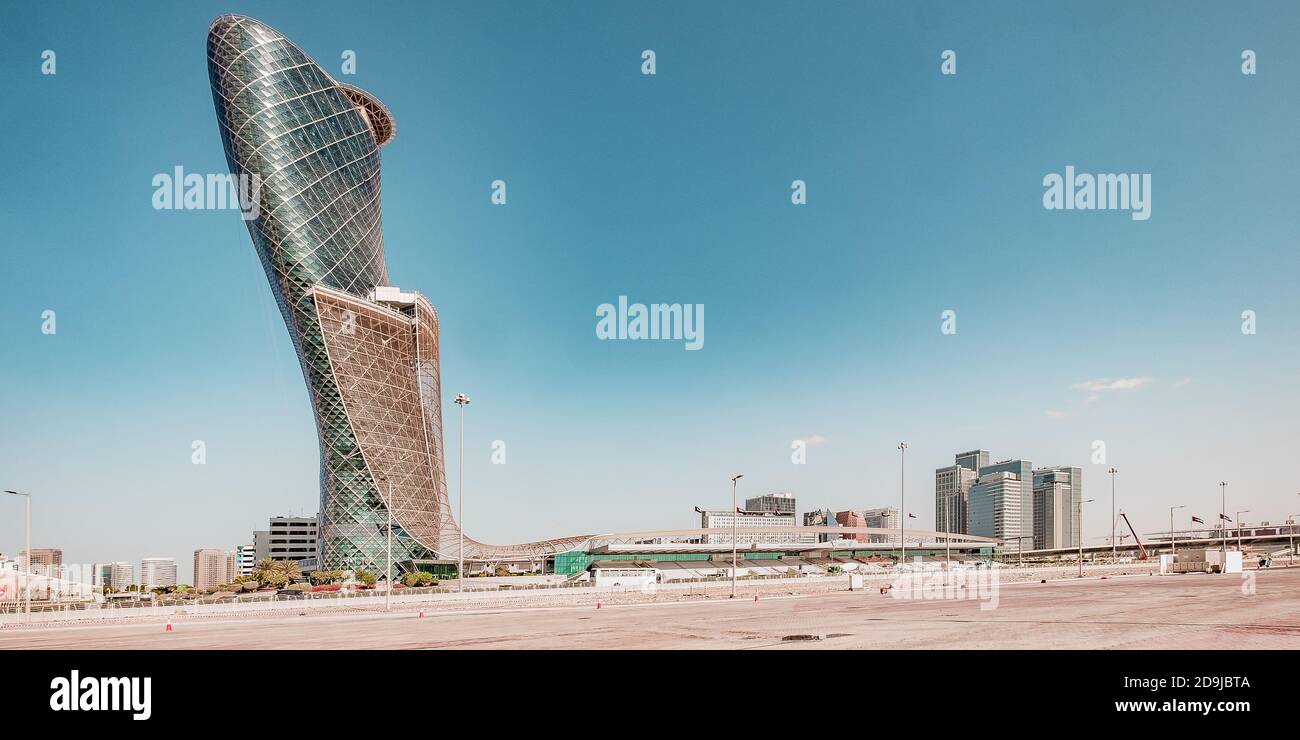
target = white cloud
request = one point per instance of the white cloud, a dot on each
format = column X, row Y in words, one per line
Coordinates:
column 1054, row 414
column 1183, row 382
column 1106, row 384
column 814, row 440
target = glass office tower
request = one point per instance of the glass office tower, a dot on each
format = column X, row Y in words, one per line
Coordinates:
column 369, row 352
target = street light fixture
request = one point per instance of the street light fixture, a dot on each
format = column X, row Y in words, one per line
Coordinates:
column 1223, row 512
column 462, row 401
column 27, row 589
column 735, row 515
column 1114, row 555
column 1172, row 547
column 1081, row 503
column 1020, row 548
column 902, row 505
column 1290, row 534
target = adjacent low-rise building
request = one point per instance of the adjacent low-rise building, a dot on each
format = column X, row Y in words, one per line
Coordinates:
column 293, row 538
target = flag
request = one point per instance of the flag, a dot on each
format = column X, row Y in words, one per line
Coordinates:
column 697, row 510
column 1225, row 516
column 911, row 515
column 739, row 510
column 1198, row 520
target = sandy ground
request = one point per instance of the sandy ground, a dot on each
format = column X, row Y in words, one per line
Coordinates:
column 1134, row 611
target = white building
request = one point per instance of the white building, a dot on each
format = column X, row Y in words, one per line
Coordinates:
column 122, row 575
column 247, row 556
column 723, row 521
column 155, row 572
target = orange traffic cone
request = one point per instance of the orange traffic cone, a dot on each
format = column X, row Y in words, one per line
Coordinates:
column 597, row 604
column 755, row 598
column 421, row 614
column 169, row 626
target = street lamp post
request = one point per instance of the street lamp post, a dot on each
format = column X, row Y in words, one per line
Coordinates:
column 1223, row 512
column 27, row 569
column 1173, row 548
column 1113, row 553
column 902, row 505
column 1247, row 511
column 735, row 515
column 947, row 534
column 1081, row 503
column 462, row 401
column 1290, row 535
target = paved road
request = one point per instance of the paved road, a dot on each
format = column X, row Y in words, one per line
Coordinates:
column 1189, row 611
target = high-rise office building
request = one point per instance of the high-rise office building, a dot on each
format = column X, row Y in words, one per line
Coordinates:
column 952, row 498
column 155, row 572
column 973, row 460
column 777, row 503
column 1052, row 510
column 1024, row 472
column 1073, row 477
column 368, row 351
column 995, row 507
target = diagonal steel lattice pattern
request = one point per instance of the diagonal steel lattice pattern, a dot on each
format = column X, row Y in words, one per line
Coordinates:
column 371, row 366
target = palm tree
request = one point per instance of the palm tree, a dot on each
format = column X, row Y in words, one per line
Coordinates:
column 289, row 569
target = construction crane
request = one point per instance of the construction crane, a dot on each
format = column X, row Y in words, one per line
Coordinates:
column 1142, row 551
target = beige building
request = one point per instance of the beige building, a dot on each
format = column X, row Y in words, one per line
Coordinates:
column 214, row 567
column 45, row 561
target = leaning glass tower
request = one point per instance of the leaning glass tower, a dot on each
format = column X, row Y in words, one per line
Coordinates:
column 369, row 352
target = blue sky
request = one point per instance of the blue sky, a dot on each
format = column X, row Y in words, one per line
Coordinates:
column 822, row 320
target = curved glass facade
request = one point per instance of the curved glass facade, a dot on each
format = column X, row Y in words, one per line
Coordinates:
column 370, row 362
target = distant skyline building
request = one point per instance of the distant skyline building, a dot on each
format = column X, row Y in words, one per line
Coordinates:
column 973, row 460
column 45, row 561
column 368, row 350
column 995, row 507
column 1024, row 472
column 851, row 518
column 101, row 575
column 1051, row 510
column 247, row 556
column 722, row 522
column 1072, row 476
column 884, row 517
column 157, row 572
column 214, row 567
column 777, row 503
column 880, row 518
column 823, row 518
column 123, row 575
column 952, row 486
